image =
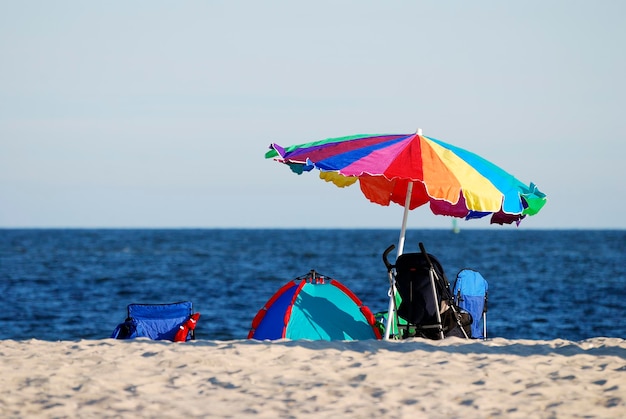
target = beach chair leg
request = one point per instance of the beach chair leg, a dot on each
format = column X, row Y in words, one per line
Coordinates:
column 484, row 326
column 432, row 282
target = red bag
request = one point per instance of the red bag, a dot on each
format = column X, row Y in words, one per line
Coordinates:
column 183, row 330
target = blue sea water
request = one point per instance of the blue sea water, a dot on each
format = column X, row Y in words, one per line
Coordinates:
column 58, row 284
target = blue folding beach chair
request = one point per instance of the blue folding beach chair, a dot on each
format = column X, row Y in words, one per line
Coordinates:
column 470, row 293
column 175, row 322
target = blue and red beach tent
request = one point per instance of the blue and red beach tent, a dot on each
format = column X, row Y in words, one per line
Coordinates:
column 314, row 307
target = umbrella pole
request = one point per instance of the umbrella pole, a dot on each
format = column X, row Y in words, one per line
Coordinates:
column 407, row 203
column 391, row 309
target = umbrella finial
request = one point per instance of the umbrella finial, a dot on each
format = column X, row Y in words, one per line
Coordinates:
column 419, row 131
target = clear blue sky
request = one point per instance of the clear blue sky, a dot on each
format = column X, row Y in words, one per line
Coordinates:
column 158, row 113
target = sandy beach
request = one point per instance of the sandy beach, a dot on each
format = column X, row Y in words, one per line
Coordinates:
column 452, row 378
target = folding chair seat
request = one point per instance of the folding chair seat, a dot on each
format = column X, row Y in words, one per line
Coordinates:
column 174, row 322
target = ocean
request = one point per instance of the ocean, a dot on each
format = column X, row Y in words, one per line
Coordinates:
column 72, row 284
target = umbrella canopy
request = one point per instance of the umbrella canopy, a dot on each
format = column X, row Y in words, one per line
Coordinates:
column 413, row 170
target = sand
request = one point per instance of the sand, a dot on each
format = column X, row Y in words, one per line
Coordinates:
column 301, row 379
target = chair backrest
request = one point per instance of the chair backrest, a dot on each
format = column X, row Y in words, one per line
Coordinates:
column 414, row 285
column 159, row 321
column 470, row 293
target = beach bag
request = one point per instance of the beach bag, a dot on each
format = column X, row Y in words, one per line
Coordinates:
column 126, row 330
column 131, row 329
column 451, row 326
column 184, row 329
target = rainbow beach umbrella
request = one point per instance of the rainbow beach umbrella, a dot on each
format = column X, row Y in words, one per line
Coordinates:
column 413, row 170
